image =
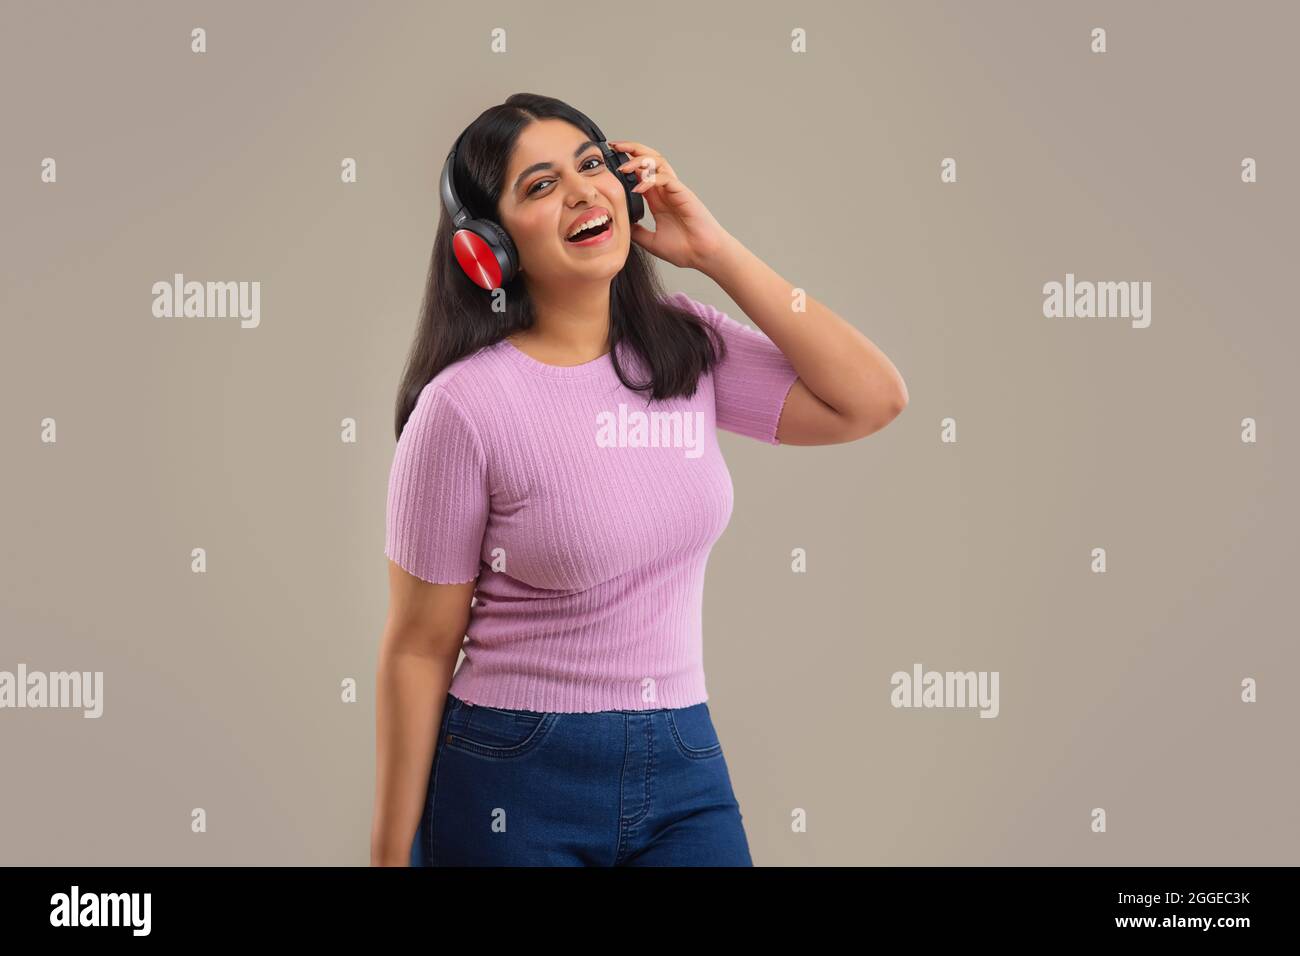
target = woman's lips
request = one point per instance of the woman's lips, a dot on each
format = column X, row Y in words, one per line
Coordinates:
column 596, row 239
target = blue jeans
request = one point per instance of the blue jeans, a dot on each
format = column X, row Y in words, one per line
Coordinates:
column 610, row 788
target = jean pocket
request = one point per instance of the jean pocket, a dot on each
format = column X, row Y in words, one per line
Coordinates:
column 496, row 732
column 693, row 731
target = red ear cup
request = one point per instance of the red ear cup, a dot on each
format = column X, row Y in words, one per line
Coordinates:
column 476, row 259
column 483, row 249
column 485, row 253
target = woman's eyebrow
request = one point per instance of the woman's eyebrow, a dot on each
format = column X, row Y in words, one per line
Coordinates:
column 536, row 166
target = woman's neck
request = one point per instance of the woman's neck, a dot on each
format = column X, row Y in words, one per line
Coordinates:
column 570, row 326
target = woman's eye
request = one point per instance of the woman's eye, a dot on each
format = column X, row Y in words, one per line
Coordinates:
column 590, row 159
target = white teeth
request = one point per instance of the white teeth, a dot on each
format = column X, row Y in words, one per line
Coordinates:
column 590, row 223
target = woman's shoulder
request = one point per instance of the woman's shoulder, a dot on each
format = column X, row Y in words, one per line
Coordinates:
column 470, row 382
column 688, row 303
column 726, row 326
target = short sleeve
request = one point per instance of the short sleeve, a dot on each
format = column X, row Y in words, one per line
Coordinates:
column 751, row 383
column 437, row 493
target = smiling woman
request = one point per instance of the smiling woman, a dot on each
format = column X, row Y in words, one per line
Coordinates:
column 555, row 493
column 552, row 199
column 515, row 185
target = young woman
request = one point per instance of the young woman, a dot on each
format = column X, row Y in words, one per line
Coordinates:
column 555, row 492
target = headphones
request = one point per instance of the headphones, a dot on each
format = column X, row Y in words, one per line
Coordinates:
column 484, row 249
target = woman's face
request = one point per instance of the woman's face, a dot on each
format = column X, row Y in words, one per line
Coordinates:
column 555, row 178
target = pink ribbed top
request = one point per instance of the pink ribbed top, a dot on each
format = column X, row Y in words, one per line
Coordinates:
column 586, row 511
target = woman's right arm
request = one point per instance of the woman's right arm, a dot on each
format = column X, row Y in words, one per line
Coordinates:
column 417, row 656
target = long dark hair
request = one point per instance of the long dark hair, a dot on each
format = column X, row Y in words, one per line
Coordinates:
column 457, row 319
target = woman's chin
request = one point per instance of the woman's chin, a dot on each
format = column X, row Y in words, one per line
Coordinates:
column 605, row 265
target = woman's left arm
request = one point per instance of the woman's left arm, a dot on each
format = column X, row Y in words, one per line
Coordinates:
column 847, row 388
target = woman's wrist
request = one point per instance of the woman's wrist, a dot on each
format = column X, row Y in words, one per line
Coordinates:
column 385, row 856
column 721, row 262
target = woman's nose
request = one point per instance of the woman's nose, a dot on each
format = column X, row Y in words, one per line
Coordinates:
column 589, row 194
column 583, row 188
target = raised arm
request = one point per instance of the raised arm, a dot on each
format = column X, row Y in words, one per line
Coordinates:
column 847, row 387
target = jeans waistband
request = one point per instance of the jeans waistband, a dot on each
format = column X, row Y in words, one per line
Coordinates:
column 577, row 713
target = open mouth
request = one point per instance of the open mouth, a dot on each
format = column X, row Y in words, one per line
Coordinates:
column 591, row 232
